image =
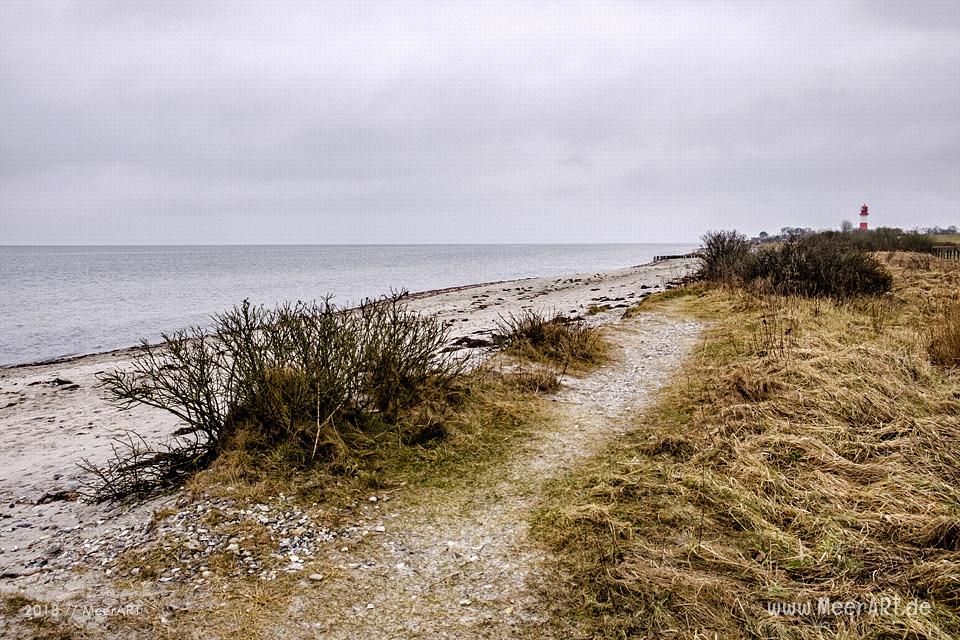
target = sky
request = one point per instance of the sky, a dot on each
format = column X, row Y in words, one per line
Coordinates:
column 199, row 122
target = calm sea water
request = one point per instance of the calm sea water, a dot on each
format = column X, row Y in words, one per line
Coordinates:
column 60, row 301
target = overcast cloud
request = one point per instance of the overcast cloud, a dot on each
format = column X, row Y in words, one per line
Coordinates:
column 187, row 121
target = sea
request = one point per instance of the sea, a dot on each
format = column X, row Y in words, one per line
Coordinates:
column 61, row 301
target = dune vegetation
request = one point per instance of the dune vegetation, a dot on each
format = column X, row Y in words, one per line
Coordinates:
column 551, row 339
column 802, row 459
column 805, row 459
column 318, row 397
column 314, row 395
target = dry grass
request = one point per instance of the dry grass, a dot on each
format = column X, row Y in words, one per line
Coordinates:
column 476, row 427
column 538, row 380
column 568, row 343
column 595, row 309
column 826, row 467
column 662, row 300
column 944, row 345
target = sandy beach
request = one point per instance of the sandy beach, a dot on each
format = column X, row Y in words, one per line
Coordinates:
column 54, row 415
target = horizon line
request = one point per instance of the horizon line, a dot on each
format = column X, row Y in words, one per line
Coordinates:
column 343, row 244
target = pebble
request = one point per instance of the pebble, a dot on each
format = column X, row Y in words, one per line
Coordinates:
column 296, row 539
column 316, row 577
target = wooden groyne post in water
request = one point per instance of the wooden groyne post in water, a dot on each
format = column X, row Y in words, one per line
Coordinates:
column 693, row 254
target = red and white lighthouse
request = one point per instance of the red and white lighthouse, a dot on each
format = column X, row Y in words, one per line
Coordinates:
column 864, row 212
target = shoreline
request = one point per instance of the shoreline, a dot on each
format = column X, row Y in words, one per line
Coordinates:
column 410, row 296
column 120, row 351
column 55, row 415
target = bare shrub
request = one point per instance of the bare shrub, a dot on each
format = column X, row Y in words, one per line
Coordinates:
column 723, row 256
column 303, row 375
column 775, row 331
column 881, row 310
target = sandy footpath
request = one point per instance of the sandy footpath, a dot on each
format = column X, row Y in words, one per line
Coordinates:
column 54, row 415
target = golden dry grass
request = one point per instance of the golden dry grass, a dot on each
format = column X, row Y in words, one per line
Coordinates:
column 492, row 409
column 944, row 342
column 808, row 451
column 569, row 344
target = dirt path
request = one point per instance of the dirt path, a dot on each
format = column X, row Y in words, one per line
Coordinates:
column 461, row 564
column 52, row 416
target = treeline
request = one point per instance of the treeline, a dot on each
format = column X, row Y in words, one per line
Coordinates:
column 879, row 239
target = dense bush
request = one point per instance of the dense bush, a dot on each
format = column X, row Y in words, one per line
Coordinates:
column 820, row 265
column 300, row 375
column 723, row 256
column 555, row 339
column 828, row 264
column 891, row 239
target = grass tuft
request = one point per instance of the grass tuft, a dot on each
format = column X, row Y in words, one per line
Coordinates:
column 555, row 340
column 944, row 344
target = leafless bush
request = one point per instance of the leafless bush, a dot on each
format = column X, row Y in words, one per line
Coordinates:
column 818, row 265
column 723, row 256
column 300, row 374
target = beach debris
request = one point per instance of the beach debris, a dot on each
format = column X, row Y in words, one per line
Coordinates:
column 60, row 495
column 56, row 382
column 471, row 343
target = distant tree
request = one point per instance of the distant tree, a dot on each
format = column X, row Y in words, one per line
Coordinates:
column 846, row 226
column 799, row 232
column 941, row 231
column 764, row 235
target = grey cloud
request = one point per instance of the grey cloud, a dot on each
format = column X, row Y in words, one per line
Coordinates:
column 432, row 122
